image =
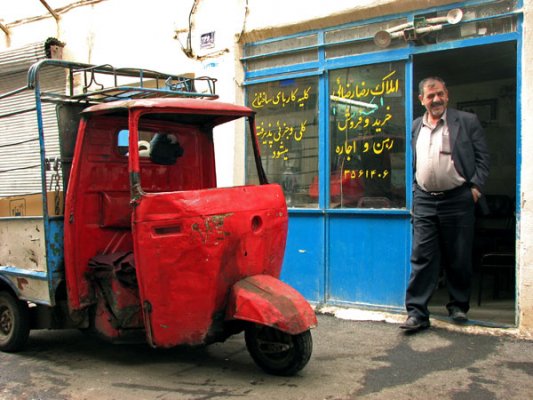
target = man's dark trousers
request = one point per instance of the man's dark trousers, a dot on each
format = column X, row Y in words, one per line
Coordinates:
column 443, row 232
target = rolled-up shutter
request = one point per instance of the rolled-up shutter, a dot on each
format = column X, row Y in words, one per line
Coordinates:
column 20, row 168
column 20, row 59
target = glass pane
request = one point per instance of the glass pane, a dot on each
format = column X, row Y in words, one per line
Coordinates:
column 287, row 132
column 281, row 60
column 364, row 34
column 367, row 130
column 475, row 21
column 361, row 31
column 361, row 47
column 477, row 29
column 487, row 10
column 278, row 60
column 279, row 45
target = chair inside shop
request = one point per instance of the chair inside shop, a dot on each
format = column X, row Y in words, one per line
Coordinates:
column 494, row 247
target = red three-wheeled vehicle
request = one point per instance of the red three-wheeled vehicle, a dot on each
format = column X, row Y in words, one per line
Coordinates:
column 152, row 247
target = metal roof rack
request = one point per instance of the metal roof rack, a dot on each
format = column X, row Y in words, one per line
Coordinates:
column 93, row 84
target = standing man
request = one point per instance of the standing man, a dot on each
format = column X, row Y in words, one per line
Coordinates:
column 451, row 166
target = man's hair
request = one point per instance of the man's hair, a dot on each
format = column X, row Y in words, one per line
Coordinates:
column 427, row 82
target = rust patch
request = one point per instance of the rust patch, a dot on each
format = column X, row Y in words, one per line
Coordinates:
column 21, row 282
column 282, row 307
column 32, row 256
column 211, row 231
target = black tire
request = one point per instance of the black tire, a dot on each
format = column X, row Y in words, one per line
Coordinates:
column 277, row 352
column 14, row 323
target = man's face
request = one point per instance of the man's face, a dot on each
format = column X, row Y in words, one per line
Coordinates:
column 435, row 98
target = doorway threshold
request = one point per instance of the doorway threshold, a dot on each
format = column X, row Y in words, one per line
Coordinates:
column 474, row 322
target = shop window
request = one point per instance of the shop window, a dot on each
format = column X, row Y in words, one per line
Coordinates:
column 287, row 132
column 478, row 29
column 297, row 57
column 359, row 39
column 278, row 45
column 282, row 52
column 498, row 7
column 475, row 21
column 367, row 136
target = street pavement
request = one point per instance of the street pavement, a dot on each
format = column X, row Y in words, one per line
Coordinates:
column 351, row 360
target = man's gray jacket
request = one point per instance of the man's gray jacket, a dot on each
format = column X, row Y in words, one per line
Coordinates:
column 470, row 153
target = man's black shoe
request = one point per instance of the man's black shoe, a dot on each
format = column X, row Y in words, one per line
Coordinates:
column 414, row 324
column 458, row 316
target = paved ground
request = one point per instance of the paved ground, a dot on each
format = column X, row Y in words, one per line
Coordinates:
column 351, row 360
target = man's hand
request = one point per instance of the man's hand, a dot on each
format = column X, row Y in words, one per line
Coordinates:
column 476, row 194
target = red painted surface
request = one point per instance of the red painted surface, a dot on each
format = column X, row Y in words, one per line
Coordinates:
column 265, row 300
column 192, row 247
column 99, row 188
column 212, row 112
column 97, row 170
column 192, row 242
column 113, row 279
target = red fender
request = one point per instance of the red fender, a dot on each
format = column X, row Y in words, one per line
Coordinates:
column 265, row 300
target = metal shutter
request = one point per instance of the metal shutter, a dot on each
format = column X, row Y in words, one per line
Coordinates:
column 20, row 171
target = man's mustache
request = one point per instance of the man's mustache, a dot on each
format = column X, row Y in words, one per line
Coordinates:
column 437, row 104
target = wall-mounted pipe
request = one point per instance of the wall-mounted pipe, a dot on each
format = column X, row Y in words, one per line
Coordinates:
column 50, row 10
column 4, row 28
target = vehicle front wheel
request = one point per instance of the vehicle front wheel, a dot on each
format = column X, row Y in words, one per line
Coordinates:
column 14, row 323
column 277, row 352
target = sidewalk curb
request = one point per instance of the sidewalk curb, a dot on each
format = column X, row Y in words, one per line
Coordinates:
column 472, row 327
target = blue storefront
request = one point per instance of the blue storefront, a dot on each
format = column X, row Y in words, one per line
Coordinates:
column 334, row 113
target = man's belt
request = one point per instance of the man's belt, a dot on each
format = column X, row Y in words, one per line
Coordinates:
column 444, row 193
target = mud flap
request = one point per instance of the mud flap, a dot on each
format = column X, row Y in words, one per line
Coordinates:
column 265, row 300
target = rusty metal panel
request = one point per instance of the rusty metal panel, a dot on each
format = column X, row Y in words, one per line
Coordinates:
column 28, row 286
column 191, row 247
column 265, row 300
column 22, row 243
column 23, row 263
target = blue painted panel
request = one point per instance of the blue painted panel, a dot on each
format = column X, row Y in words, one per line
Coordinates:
column 303, row 267
column 55, row 253
column 368, row 259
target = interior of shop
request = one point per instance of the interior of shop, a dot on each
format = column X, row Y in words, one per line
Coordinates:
column 483, row 80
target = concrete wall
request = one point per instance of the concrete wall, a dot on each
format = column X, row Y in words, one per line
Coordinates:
column 525, row 228
column 151, row 34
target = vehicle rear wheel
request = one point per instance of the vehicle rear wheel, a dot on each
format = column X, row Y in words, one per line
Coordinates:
column 14, row 323
column 277, row 352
